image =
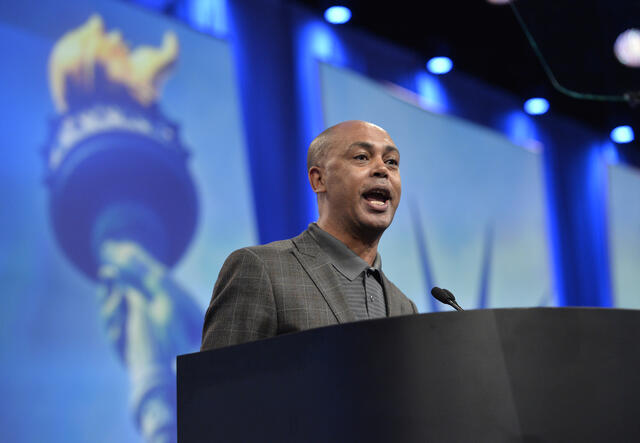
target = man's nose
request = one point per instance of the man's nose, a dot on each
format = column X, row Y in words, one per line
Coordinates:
column 379, row 169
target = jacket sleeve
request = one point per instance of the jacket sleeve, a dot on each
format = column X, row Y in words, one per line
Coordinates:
column 242, row 306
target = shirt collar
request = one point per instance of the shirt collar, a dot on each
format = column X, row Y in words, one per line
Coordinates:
column 347, row 262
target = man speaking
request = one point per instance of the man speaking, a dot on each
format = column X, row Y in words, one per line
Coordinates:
column 331, row 273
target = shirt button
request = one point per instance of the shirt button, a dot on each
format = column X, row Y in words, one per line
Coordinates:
column 371, row 297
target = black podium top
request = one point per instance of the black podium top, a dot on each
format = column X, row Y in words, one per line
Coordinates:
column 534, row 375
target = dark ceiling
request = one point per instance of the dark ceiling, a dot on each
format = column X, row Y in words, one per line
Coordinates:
column 484, row 40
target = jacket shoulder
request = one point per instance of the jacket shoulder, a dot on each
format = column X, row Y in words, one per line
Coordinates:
column 279, row 248
column 270, row 250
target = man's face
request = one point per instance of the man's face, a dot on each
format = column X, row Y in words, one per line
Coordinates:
column 362, row 178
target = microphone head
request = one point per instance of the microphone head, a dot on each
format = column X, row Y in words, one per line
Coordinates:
column 441, row 295
column 445, row 296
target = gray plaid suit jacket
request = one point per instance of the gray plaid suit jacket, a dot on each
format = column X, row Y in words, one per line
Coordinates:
column 284, row 286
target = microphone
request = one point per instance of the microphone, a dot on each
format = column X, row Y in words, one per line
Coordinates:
column 445, row 296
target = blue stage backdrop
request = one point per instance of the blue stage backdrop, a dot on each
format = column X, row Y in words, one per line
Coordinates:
column 624, row 234
column 125, row 186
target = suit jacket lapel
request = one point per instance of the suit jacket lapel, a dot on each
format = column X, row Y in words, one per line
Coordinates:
column 316, row 263
column 394, row 302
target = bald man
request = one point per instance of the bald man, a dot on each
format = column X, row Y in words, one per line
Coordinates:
column 332, row 272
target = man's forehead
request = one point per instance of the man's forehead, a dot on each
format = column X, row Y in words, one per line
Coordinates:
column 359, row 132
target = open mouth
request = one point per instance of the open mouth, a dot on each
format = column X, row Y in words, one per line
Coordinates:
column 377, row 197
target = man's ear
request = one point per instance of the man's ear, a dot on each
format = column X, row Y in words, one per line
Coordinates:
column 316, row 178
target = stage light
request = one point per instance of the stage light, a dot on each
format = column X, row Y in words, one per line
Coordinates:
column 622, row 134
column 337, row 15
column 627, row 48
column 536, row 106
column 499, row 2
column 439, row 65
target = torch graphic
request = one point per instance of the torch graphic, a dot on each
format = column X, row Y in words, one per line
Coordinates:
column 123, row 205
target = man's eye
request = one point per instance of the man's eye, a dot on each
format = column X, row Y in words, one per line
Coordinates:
column 360, row 157
column 392, row 161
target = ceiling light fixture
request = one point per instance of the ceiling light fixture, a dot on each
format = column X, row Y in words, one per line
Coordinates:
column 622, row 134
column 439, row 65
column 337, row 15
column 536, row 106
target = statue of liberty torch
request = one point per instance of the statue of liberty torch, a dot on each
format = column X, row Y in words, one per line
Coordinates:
column 123, row 205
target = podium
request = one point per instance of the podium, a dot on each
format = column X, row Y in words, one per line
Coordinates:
column 503, row 375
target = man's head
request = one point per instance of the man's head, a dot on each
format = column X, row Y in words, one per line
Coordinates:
column 353, row 168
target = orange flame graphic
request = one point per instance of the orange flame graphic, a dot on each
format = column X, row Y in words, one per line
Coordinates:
column 76, row 55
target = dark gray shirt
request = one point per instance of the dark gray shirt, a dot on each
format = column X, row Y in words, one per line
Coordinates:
column 361, row 283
